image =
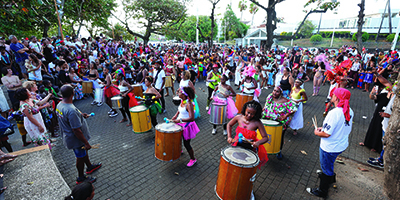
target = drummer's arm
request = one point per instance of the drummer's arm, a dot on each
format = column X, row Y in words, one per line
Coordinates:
column 154, row 91
column 304, row 95
column 130, row 88
column 175, row 116
column 192, row 86
column 233, row 93
column 229, row 128
column 263, row 134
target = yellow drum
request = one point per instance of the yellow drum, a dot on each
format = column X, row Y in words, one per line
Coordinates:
column 87, row 87
column 141, row 121
column 274, row 132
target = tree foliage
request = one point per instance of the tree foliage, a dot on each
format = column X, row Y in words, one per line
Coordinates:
column 316, row 38
column 307, row 29
column 154, row 16
column 242, row 7
column 364, row 37
column 187, row 31
column 233, row 27
column 117, row 31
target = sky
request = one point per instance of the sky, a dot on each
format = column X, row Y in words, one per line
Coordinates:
column 290, row 10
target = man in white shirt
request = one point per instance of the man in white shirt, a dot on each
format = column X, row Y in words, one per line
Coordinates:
column 159, row 81
column 334, row 139
column 36, row 46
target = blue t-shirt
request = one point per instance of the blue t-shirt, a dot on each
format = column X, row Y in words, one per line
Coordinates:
column 19, row 56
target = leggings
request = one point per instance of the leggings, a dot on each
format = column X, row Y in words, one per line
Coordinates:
column 186, row 143
column 153, row 119
column 210, row 91
column 125, row 108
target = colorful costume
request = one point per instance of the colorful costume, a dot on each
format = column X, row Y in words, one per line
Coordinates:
column 219, row 97
column 360, row 80
column 274, row 110
column 33, row 131
column 190, row 129
column 252, row 135
column 297, row 120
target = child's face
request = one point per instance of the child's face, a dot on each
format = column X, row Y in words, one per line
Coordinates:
column 249, row 113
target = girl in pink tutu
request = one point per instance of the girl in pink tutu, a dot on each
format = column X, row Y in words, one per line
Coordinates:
column 223, row 93
column 185, row 118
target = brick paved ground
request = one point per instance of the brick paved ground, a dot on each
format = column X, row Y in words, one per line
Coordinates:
column 130, row 170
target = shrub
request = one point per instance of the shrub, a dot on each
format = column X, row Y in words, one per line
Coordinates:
column 289, row 34
column 390, row 38
column 326, row 34
column 283, row 33
column 364, row 36
column 372, row 36
column 316, row 38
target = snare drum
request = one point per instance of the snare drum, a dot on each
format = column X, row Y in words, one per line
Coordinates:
column 116, row 102
column 176, row 100
column 241, row 99
column 168, row 144
column 138, row 90
column 87, row 87
column 236, row 174
column 140, row 119
column 218, row 113
column 274, row 133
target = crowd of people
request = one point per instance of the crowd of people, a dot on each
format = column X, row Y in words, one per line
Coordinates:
column 44, row 77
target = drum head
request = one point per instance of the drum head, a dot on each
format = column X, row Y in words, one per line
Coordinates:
column 240, row 157
column 269, row 122
column 176, row 98
column 168, row 128
column 243, row 94
column 116, row 98
column 138, row 108
column 219, row 104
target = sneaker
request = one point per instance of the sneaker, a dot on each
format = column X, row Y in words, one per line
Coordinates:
column 113, row 114
column 207, row 108
column 191, row 163
column 93, row 168
column 373, row 159
column 85, row 179
column 214, row 131
column 225, row 132
column 93, row 103
column 376, row 163
column 111, row 111
column 99, row 104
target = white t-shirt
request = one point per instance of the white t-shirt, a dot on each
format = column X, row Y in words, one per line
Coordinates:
column 36, row 46
column 95, row 54
column 355, row 67
column 388, row 110
column 158, row 79
column 336, row 126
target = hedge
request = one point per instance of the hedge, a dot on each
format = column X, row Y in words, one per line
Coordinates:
column 364, row 36
column 316, row 38
column 390, row 38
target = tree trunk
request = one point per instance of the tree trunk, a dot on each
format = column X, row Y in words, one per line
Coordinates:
column 79, row 28
column 270, row 26
column 46, row 29
column 390, row 18
column 360, row 23
column 391, row 142
column 210, row 42
column 380, row 26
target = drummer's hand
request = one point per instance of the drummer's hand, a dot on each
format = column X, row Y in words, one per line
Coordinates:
column 281, row 118
column 87, row 146
column 176, row 120
column 123, row 95
column 254, row 144
column 85, row 115
column 230, row 140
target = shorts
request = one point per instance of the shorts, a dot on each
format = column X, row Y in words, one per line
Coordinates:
column 79, row 152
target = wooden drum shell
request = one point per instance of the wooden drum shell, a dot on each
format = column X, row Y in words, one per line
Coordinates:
column 241, row 99
column 138, row 90
column 168, row 146
column 87, row 87
column 141, row 121
column 274, row 133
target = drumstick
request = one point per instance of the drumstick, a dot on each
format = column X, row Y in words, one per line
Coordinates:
column 315, row 126
column 95, row 146
column 316, row 122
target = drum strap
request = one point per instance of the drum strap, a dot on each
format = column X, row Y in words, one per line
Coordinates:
column 187, row 124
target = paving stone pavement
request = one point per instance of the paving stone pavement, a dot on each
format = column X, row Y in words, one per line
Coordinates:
column 131, row 171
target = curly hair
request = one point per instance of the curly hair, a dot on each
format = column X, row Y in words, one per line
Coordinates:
column 256, row 106
column 189, row 91
column 149, row 79
column 28, row 85
column 21, row 94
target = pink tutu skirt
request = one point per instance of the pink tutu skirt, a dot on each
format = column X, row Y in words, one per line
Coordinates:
column 189, row 130
column 231, row 110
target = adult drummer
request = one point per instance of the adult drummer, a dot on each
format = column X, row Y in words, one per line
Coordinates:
column 213, row 78
column 150, row 101
column 125, row 88
column 279, row 108
column 185, row 118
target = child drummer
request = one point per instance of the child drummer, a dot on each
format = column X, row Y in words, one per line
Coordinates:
column 185, row 118
column 223, row 93
column 249, row 123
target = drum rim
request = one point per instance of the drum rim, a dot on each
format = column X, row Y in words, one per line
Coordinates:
column 117, row 97
column 138, row 111
column 225, row 104
column 279, row 124
column 244, row 94
column 238, row 164
column 158, row 128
